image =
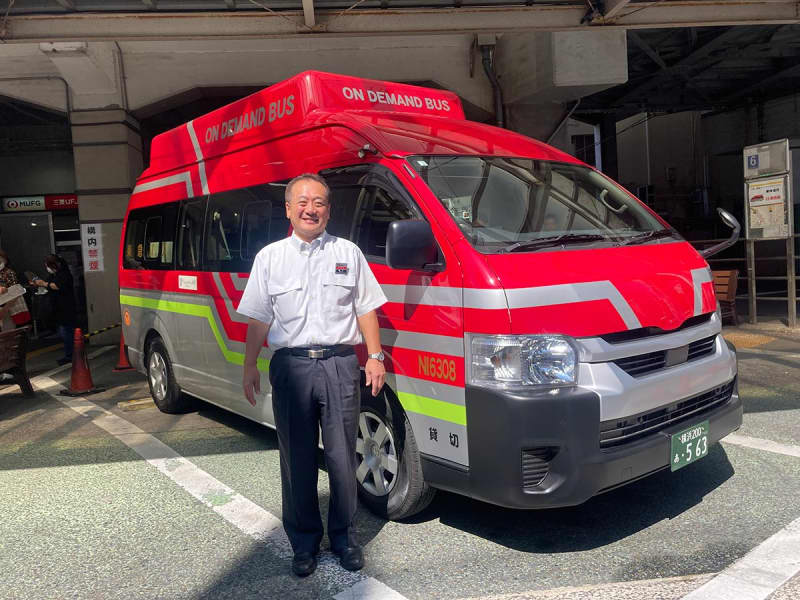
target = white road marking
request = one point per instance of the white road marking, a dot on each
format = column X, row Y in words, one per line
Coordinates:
column 369, row 589
column 246, row 515
column 760, row 444
column 760, row 572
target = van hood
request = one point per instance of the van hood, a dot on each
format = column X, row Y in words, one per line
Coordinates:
column 593, row 292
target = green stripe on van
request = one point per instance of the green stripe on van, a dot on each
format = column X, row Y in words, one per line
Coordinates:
column 192, row 310
column 430, row 407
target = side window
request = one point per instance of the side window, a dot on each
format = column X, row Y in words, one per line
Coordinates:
column 150, row 236
column 190, row 235
column 134, row 241
column 346, row 203
column 239, row 223
column 373, row 223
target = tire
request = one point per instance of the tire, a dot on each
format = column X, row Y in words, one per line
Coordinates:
column 385, row 439
column 161, row 379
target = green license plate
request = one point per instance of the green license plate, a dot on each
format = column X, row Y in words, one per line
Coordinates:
column 689, row 445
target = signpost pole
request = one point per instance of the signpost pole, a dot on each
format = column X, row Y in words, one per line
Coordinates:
column 792, row 287
column 751, row 281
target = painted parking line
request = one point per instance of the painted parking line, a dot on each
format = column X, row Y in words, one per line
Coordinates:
column 761, row 444
column 758, row 574
column 246, row 515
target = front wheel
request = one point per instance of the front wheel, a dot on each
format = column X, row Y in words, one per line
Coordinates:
column 389, row 472
column 161, row 379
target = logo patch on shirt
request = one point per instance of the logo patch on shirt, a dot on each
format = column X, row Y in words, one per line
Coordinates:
column 341, row 269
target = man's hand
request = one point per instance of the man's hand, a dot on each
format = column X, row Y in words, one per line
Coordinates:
column 251, row 378
column 376, row 375
column 251, row 382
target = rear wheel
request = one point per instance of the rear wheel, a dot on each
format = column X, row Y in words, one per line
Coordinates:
column 161, row 379
column 389, row 472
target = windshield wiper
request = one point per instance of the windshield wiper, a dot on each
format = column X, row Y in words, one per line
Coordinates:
column 554, row 240
column 640, row 238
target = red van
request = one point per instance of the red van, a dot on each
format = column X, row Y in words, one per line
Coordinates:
column 548, row 337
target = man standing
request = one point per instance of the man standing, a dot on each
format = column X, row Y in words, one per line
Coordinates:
column 310, row 294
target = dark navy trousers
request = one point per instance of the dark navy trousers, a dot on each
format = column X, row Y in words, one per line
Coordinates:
column 308, row 395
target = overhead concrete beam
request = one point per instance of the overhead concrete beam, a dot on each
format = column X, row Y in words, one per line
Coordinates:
column 177, row 26
column 614, row 7
column 308, row 13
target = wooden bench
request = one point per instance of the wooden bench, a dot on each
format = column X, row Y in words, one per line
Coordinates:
column 725, row 289
column 13, row 345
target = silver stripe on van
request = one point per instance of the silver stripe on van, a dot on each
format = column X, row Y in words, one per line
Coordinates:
column 198, row 152
column 424, row 342
column 428, row 295
column 699, row 277
column 185, row 177
column 574, row 292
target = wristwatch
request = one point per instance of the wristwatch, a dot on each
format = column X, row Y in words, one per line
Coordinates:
column 377, row 356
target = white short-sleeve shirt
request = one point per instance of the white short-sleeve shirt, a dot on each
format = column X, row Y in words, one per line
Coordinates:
column 311, row 293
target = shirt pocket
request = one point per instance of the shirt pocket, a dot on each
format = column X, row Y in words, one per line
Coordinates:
column 339, row 293
column 286, row 299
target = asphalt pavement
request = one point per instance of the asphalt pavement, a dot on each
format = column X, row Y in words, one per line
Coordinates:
column 102, row 502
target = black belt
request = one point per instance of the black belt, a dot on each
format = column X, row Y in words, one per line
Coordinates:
column 320, row 352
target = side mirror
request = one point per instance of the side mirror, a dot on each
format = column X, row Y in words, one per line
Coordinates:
column 731, row 222
column 410, row 245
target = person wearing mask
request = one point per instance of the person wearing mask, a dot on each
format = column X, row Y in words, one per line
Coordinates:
column 312, row 327
column 13, row 313
column 59, row 284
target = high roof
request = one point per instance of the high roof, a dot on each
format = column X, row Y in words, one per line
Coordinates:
column 395, row 118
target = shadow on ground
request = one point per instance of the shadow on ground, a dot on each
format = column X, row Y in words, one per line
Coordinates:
column 602, row 520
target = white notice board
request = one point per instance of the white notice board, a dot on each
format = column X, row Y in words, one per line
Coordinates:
column 768, row 211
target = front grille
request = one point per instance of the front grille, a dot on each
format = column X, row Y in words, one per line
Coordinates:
column 621, row 431
column 644, row 364
column 620, row 337
column 536, row 464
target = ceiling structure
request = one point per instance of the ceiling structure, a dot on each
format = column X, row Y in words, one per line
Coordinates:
column 676, row 60
column 707, row 68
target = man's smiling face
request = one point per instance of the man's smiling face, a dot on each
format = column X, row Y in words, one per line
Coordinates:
column 308, row 209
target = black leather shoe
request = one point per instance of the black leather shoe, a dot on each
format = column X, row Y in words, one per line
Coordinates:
column 351, row 558
column 304, row 564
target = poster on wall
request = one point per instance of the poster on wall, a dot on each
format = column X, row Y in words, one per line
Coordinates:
column 767, row 209
column 92, row 245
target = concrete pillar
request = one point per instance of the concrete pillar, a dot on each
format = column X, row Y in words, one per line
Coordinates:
column 539, row 121
column 608, row 146
column 107, row 150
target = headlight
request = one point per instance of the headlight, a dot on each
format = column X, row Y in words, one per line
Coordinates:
column 517, row 361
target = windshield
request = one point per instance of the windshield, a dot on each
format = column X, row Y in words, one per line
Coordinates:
column 521, row 205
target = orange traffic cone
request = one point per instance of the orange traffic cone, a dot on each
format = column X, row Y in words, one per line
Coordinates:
column 81, row 381
column 124, row 364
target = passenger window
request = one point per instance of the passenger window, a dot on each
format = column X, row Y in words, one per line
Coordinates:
column 190, row 235
column 239, row 223
column 149, row 237
column 152, row 238
column 346, row 203
column 133, row 257
column 373, row 223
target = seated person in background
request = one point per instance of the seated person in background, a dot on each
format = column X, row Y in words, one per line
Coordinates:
column 15, row 312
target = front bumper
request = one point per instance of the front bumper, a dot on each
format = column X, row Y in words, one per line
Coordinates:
column 501, row 425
